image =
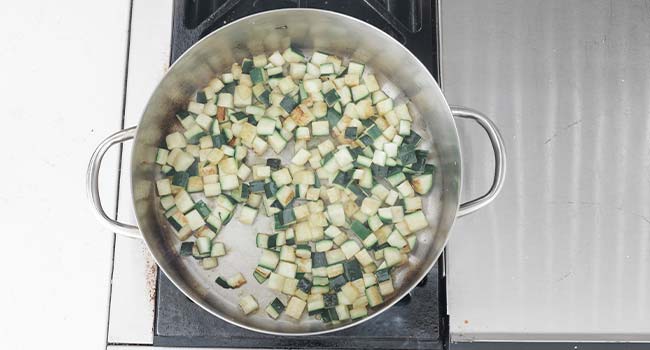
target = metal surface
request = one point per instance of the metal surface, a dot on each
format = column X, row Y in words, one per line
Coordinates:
column 92, row 184
column 499, row 159
column 403, row 76
column 564, row 253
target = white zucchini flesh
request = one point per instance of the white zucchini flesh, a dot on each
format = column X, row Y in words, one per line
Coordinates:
column 286, row 269
column 248, row 304
column 320, row 128
column 175, row 140
column 350, row 248
column 336, row 214
column 218, row 249
column 236, row 280
column 295, row 308
column 265, row 126
column 276, row 282
column 301, row 157
column 194, row 220
column 416, row 221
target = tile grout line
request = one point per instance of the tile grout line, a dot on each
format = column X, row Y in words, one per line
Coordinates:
column 119, row 165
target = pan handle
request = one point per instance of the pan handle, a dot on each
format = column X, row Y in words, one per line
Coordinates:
column 92, row 180
column 499, row 159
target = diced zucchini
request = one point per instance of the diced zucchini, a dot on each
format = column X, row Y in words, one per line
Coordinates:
column 213, row 222
column 396, row 240
column 416, row 221
column 422, row 184
column 323, row 245
column 261, row 274
column 359, row 92
column 164, row 187
column 265, row 126
column 315, row 304
column 186, row 248
column 301, row 157
column 374, row 296
column 295, row 307
column 304, row 265
column 269, row 259
column 261, row 172
column 334, row 256
column 356, row 68
column 288, row 253
column 262, row 240
column 175, row 140
column 319, row 128
column 209, row 263
column 236, row 281
column 203, row 245
column 375, row 222
column 350, row 248
column 363, row 257
column 247, row 215
column 167, row 202
column 248, row 304
column 336, row 214
column 392, row 256
column 335, row 270
column 290, row 286
column 218, row 249
column 183, row 201
column 285, row 195
column 384, row 106
column 281, row 177
column 275, row 308
column 370, row 206
column 396, row 178
column 286, row 269
column 386, row 287
column 350, row 291
column 360, row 229
column 161, row 156
column 293, row 55
column 212, row 189
column 326, row 69
column 297, row 70
column 276, row 282
column 183, row 161
column 412, row 204
column 342, row 312
column 405, row 189
column 369, row 279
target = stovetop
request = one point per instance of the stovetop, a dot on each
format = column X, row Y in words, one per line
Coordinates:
column 415, row 322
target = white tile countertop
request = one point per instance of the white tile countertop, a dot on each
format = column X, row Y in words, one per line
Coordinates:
column 62, row 68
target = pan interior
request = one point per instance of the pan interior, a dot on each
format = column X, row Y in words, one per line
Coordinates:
column 402, row 77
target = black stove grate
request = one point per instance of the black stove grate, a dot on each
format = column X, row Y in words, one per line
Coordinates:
column 411, row 324
column 411, row 22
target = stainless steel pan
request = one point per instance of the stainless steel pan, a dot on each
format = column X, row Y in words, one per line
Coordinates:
column 397, row 70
